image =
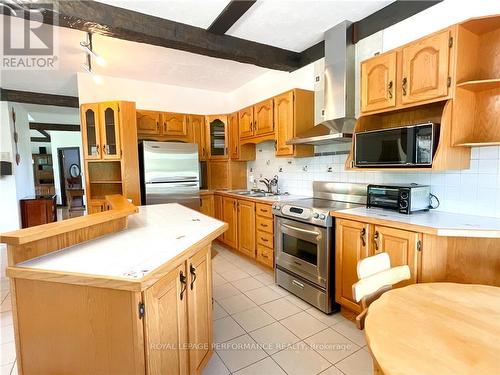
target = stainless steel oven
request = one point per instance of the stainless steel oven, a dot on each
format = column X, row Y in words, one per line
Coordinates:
column 303, row 249
column 304, row 241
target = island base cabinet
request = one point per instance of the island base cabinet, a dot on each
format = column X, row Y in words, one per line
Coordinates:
column 76, row 329
column 165, row 324
column 178, row 318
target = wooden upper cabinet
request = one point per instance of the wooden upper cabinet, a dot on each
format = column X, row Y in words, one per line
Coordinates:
column 263, row 117
column 284, row 122
column 199, row 291
column 246, row 122
column 197, row 124
column 425, row 68
column 165, row 323
column 293, row 115
column 352, row 245
column 217, row 136
column 401, row 245
column 91, row 138
column 230, row 216
column 378, row 80
column 234, row 136
column 246, row 228
column 148, row 122
column 174, row 124
column 101, row 130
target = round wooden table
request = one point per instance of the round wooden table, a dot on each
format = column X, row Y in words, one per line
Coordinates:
column 436, row 328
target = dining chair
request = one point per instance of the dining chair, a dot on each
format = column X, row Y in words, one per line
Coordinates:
column 375, row 278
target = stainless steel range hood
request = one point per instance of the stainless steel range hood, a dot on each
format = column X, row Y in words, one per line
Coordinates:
column 337, row 108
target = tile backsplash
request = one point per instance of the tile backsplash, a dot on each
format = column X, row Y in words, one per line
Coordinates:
column 474, row 191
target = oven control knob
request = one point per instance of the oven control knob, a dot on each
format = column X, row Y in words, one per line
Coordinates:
column 322, row 216
column 316, row 215
column 403, row 204
column 404, row 195
column 277, row 207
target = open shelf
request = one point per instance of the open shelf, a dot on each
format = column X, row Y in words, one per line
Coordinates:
column 476, row 106
column 106, row 182
column 480, row 85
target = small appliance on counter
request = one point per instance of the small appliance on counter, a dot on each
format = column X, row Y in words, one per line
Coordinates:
column 406, row 146
column 170, row 173
column 404, row 198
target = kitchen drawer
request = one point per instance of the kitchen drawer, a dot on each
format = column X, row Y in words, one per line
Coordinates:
column 265, row 255
column 264, row 210
column 265, row 224
column 266, row 239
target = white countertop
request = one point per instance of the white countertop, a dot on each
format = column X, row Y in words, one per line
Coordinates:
column 445, row 223
column 154, row 236
column 272, row 198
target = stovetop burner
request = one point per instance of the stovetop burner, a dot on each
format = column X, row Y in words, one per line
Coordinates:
column 322, row 204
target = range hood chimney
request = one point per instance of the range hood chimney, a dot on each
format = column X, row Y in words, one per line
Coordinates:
column 337, row 108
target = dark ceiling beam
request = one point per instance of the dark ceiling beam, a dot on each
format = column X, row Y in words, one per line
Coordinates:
column 38, row 98
column 107, row 20
column 40, row 139
column 42, row 127
column 388, row 16
column 45, row 138
column 385, row 17
column 228, row 17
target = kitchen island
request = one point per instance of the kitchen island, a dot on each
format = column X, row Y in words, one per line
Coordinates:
column 126, row 291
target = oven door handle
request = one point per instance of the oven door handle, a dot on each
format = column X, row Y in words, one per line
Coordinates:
column 301, row 230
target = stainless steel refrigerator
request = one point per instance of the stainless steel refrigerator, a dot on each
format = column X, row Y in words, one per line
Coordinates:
column 169, row 173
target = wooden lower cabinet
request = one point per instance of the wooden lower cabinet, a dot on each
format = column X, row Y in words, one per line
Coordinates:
column 351, row 245
column 218, row 213
column 207, row 205
column 37, row 211
column 357, row 240
column 230, row 216
column 165, row 324
column 250, row 227
column 199, row 303
column 178, row 315
column 401, row 245
column 246, row 228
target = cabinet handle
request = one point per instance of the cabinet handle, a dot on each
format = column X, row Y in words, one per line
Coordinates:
column 376, row 238
column 389, row 89
column 183, row 282
column 262, row 210
column 157, row 127
column 264, row 239
column 192, row 270
column 264, row 255
column 98, row 149
column 405, row 81
column 263, row 225
column 203, row 151
column 362, row 235
column 104, row 149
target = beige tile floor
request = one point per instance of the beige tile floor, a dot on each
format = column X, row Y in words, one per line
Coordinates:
column 259, row 328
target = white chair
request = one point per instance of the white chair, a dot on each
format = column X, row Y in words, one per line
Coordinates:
column 375, row 278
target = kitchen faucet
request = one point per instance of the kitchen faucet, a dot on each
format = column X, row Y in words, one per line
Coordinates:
column 270, row 183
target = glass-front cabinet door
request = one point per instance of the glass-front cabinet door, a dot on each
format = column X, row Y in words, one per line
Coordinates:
column 110, row 127
column 217, row 136
column 90, row 130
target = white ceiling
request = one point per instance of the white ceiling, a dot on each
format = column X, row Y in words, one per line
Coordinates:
column 291, row 24
column 297, row 25
column 200, row 13
column 129, row 60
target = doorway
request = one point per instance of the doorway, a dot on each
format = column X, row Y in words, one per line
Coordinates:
column 69, row 172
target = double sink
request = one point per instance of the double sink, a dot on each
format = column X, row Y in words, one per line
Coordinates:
column 255, row 194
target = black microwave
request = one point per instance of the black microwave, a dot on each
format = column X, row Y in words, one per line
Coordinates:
column 406, row 146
